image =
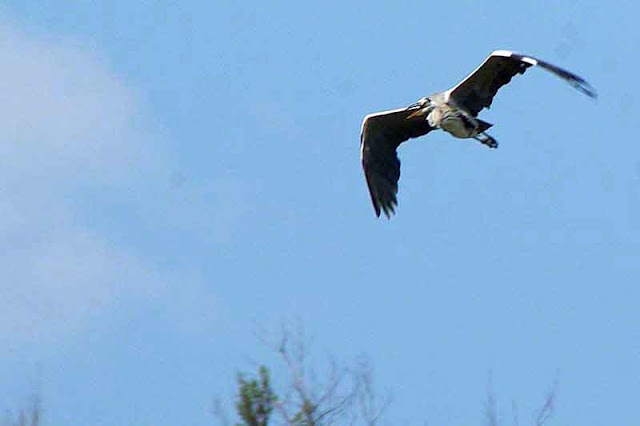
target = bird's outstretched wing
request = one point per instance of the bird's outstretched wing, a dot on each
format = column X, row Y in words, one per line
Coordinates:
column 477, row 90
column 381, row 135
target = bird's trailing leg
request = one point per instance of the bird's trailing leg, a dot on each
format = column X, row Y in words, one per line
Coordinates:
column 487, row 140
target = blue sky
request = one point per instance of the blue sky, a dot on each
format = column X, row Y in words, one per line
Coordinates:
column 173, row 173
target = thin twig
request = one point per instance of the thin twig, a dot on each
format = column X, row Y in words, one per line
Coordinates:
column 491, row 406
column 548, row 409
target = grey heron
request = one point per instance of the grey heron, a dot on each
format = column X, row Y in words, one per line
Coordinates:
column 454, row 111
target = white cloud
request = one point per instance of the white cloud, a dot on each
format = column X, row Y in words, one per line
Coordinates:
column 66, row 121
column 62, row 111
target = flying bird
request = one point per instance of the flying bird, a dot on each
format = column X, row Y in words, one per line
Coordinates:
column 454, row 111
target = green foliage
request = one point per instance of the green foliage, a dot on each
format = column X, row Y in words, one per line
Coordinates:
column 256, row 399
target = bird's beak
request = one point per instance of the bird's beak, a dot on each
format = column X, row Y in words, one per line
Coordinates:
column 416, row 113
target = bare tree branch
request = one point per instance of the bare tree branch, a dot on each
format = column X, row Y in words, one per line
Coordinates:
column 325, row 399
column 548, row 409
column 219, row 412
column 371, row 405
column 491, row 406
column 541, row 416
column 30, row 416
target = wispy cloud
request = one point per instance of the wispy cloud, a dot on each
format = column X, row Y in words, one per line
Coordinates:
column 63, row 111
column 67, row 122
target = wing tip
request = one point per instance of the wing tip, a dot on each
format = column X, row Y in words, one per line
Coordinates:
column 587, row 89
column 578, row 82
column 386, row 207
column 389, row 210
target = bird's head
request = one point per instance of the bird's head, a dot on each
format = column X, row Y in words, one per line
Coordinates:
column 420, row 103
column 421, row 108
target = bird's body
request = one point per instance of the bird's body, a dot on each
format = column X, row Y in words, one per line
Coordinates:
column 454, row 111
column 455, row 121
column 449, row 117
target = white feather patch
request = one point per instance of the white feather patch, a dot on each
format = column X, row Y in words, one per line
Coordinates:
column 377, row 114
column 506, row 53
